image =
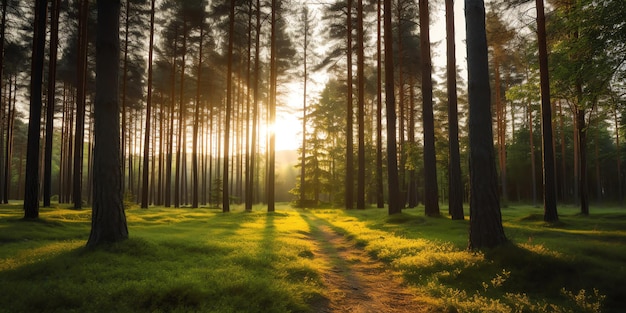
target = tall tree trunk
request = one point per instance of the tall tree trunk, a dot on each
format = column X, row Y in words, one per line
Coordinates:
column 380, row 196
column 8, row 149
column 170, row 144
column 500, row 127
column 146, row 142
column 581, row 128
column 52, row 67
column 563, row 163
column 305, row 17
column 79, row 137
column 431, row 197
column 349, row 117
column 181, row 122
column 229, row 104
column 255, row 105
column 248, row 201
column 549, row 177
column 360, row 201
column 124, row 85
column 486, row 229
column 31, row 195
column 3, row 117
column 271, row 174
column 395, row 203
column 455, row 185
column 597, row 161
column 108, row 221
column 196, row 120
column 533, row 170
column 620, row 191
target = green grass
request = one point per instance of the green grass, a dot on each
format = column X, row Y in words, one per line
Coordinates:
column 576, row 265
column 201, row 260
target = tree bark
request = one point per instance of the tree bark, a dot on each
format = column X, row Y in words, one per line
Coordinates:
column 431, row 197
column 229, row 104
column 549, row 176
column 108, row 222
column 486, row 229
column 455, row 185
column 272, row 111
column 79, row 137
column 3, row 117
column 395, row 203
column 350, row 115
column 380, row 195
column 146, row 142
column 360, row 201
column 54, row 40
column 196, row 121
column 31, row 194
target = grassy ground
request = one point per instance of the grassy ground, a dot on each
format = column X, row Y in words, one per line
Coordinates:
column 182, row 260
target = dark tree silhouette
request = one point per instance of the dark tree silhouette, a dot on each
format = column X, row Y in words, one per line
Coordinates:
column 31, row 195
column 108, row 220
column 455, row 185
column 431, row 197
column 146, row 147
column 395, row 203
column 50, row 105
column 549, row 175
column 486, row 229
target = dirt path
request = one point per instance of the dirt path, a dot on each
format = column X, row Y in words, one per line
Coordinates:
column 355, row 281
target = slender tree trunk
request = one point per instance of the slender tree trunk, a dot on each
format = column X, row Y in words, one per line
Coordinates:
column 549, row 176
column 3, row 117
column 305, row 17
column 597, row 162
column 380, row 196
column 54, row 40
column 431, row 197
column 31, row 196
column 563, row 163
column 248, row 201
column 108, row 222
column 486, row 229
column 146, row 142
column 500, row 127
column 79, row 137
column 395, row 203
column 181, row 122
column 620, row 191
column 170, row 148
column 196, row 120
column 229, row 104
column 533, row 167
column 124, row 85
column 271, row 174
column 455, row 185
column 9, row 142
column 360, row 201
column 255, row 105
column 349, row 117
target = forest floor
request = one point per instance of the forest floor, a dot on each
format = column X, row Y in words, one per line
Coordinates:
column 355, row 281
column 311, row 260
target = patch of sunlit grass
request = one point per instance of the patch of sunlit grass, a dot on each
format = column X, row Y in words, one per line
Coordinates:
column 526, row 276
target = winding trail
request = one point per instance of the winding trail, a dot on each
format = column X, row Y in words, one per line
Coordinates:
column 355, row 281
